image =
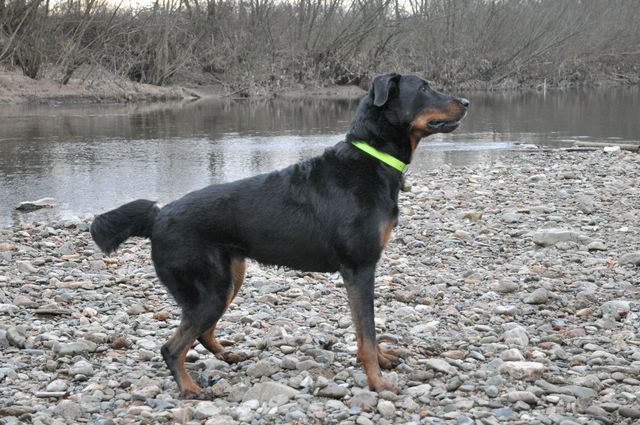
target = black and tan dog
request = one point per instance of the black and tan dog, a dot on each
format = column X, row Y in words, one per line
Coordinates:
column 331, row 213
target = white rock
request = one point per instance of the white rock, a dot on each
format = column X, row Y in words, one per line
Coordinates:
column 205, row 409
column 522, row 370
column 440, row 365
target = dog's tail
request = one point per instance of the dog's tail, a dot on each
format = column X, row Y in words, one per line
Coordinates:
column 112, row 228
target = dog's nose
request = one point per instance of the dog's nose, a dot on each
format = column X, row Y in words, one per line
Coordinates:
column 464, row 102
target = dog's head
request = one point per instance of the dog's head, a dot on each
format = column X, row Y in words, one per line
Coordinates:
column 409, row 103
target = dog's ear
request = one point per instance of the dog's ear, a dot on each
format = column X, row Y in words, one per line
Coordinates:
column 382, row 87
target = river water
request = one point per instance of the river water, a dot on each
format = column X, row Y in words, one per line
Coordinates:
column 91, row 158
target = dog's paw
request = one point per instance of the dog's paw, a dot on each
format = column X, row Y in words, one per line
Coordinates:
column 203, row 394
column 381, row 384
column 233, row 357
column 387, row 358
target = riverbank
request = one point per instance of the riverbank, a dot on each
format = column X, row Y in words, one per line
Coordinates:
column 510, row 289
column 15, row 88
column 102, row 87
column 92, row 86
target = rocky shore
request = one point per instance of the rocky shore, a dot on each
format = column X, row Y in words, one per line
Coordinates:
column 511, row 291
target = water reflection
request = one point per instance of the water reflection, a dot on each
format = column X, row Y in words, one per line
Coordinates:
column 91, row 158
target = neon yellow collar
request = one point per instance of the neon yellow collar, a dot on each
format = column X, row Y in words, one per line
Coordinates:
column 382, row 156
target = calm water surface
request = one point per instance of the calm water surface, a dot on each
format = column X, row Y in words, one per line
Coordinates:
column 94, row 157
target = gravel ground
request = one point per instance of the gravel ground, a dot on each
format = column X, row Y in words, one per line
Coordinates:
column 510, row 289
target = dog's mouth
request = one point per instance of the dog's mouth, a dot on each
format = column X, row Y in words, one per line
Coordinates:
column 440, row 126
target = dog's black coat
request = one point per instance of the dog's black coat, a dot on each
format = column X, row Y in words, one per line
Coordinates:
column 330, row 213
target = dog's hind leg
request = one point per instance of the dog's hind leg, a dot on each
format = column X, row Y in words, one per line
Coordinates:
column 175, row 351
column 237, row 268
column 202, row 302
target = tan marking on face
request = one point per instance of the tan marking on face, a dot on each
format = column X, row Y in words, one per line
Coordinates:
column 453, row 111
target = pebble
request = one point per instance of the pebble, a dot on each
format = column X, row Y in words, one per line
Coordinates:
column 440, row 365
column 535, row 271
column 334, row 391
column 630, row 258
column 57, row 385
column 512, row 355
column 265, row 391
column 364, row 399
column 522, row 370
column 262, row 368
column 206, row 409
column 386, row 408
column 629, row 412
column 526, row 396
column 68, row 409
column 81, row 367
column 75, row 348
column 616, row 308
column 516, row 336
column 539, row 296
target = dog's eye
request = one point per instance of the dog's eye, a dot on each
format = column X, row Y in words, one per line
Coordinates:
column 425, row 87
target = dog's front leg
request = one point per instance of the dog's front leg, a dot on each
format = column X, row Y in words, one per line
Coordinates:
column 359, row 283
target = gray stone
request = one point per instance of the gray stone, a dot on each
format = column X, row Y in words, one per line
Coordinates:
column 363, row 399
column 220, row 420
column 522, row 370
column 75, row 348
column 262, row 368
column 506, row 286
column 516, row 336
column 491, row 391
column 335, row 405
column 503, row 412
column 586, row 204
column 68, row 409
column 512, row 355
column 526, row 396
column 58, row 385
column 26, row 267
column 550, row 237
column 146, row 391
column 81, row 367
column 615, row 308
column 578, row 391
column 37, row 204
column 4, row 342
column 265, row 391
column 363, row 420
column 8, row 308
column 597, row 246
column 334, row 391
column 610, row 407
column 629, row 412
column 307, row 365
column 630, row 258
column 418, row 390
column 596, row 411
column 440, row 365
column 539, row 296
column 206, row 409
column 16, row 337
column 511, row 217
column 386, row 408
